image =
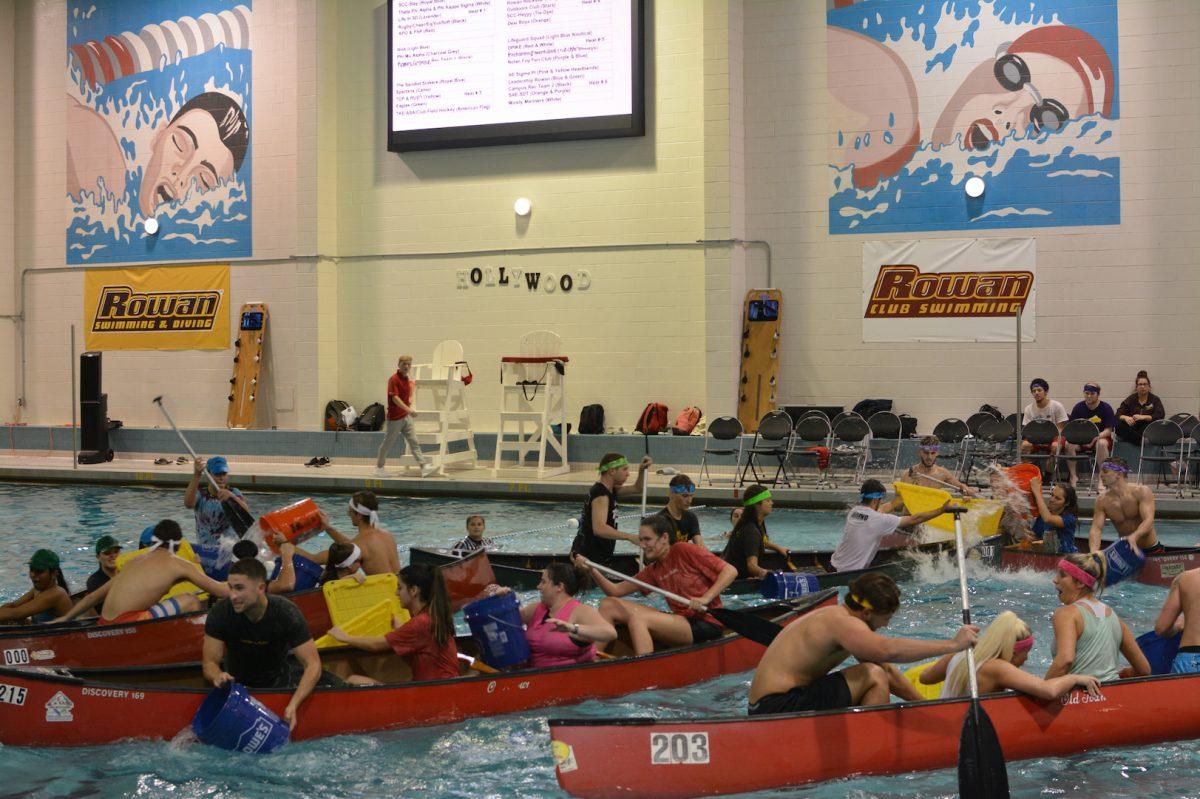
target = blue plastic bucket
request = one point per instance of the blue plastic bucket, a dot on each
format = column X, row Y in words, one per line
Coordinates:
column 1159, row 651
column 231, row 719
column 788, row 585
column 308, row 574
column 209, row 555
column 1124, row 561
column 496, row 625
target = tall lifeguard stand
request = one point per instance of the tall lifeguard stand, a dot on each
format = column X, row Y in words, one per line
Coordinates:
column 443, row 418
column 533, row 397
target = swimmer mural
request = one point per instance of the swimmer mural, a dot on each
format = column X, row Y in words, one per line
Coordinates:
column 925, row 94
column 158, row 127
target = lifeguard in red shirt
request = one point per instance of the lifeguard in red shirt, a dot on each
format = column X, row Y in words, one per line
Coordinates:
column 400, row 416
column 685, row 569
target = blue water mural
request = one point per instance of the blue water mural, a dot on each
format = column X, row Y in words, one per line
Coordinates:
column 925, row 95
column 158, row 127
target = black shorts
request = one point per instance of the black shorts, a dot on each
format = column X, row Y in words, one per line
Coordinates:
column 703, row 630
column 1157, row 549
column 828, row 693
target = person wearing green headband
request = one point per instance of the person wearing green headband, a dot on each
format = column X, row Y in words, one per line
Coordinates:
column 685, row 526
column 867, row 524
column 49, row 597
column 749, row 536
column 598, row 534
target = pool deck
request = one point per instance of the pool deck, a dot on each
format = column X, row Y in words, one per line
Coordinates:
column 353, row 474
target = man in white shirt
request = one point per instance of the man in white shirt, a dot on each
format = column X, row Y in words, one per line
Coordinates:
column 866, row 526
column 1043, row 407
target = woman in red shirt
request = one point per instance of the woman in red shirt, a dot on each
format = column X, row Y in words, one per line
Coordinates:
column 426, row 640
column 684, row 569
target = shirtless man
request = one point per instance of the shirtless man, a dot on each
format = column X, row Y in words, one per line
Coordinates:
column 133, row 593
column 1130, row 507
column 926, row 471
column 1183, row 598
column 795, row 674
column 378, row 546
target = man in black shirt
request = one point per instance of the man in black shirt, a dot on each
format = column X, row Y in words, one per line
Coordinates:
column 107, row 550
column 684, row 524
column 247, row 638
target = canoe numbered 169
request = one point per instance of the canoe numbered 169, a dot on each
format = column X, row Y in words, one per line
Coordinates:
column 703, row 757
column 41, row 708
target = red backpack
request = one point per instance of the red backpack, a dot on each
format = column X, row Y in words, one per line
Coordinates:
column 653, row 420
column 686, row 421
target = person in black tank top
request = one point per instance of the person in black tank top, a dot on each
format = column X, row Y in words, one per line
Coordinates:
column 598, row 533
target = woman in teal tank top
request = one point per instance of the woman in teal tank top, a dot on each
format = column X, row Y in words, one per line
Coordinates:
column 1089, row 637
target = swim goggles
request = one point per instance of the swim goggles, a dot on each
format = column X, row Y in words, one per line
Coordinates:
column 873, row 495
column 615, row 463
column 757, row 498
column 1012, row 73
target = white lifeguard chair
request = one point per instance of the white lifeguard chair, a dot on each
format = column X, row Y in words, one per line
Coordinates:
column 442, row 415
column 533, row 398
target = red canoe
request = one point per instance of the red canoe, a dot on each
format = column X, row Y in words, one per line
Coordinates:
column 1159, row 569
column 38, row 708
column 164, row 642
column 700, row 757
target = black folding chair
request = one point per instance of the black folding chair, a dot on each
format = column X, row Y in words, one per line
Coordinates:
column 886, row 432
column 950, row 434
column 1081, row 433
column 1161, row 435
column 850, row 442
column 811, row 430
column 724, row 439
column 773, row 438
column 1040, row 433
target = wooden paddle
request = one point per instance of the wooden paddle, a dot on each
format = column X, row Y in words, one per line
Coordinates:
column 238, row 517
column 745, row 624
column 477, row 664
column 982, row 773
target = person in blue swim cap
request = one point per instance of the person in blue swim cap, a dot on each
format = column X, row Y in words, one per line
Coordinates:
column 1129, row 506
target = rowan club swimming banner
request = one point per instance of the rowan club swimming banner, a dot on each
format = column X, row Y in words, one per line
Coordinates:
column 948, row 289
column 157, row 308
column 158, row 126
column 926, row 94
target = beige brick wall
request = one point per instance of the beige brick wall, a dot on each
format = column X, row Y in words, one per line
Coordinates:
column 8, row 329
column 1110, row 300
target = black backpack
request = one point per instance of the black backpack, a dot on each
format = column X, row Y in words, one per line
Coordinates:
column 869, row 407
column 993, row 410
column 591, row 420
column 908, row 425
column 371, row 419
column 333, row 415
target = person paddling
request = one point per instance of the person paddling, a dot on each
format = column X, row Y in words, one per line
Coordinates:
column 49, row 597
column 214, row 528
column 426, row 640
column 795, row 673
column 249, row 635
column 1088, row 635
column 598, row 534
column 685, row 569
column 1001, row 651
column 1183, row 599
column 134, row 594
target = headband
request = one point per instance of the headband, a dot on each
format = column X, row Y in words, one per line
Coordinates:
column 355, row 554
column 873, row 495
column 929, row 447
column 1023, row 644
column 1079, row 574
column 1037, row 381
column 615, row 463
column 171, row 546
column 683, row 489
column 1091, row 388
column 864, row 604
column 757, row 498
column 1114, row 467
column 363, row 510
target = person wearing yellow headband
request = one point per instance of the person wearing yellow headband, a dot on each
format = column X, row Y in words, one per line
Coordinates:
column 47, row 599
column 598, row 534
column 867, row 525
column 796, row 672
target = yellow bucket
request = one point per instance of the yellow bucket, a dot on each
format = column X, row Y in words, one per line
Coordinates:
column 982, row 518
column 913, row 675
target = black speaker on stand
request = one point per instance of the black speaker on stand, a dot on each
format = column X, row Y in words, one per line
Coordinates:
column 93, row 412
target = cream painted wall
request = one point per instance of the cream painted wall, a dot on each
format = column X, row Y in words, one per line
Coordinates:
column 637, row 335
column 1111, row 300
column 8, row 332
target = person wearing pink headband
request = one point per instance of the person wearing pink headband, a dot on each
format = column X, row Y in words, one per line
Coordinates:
column 1130, row 507
column 1000, row 653
column 926, row 471
column 1089, row 637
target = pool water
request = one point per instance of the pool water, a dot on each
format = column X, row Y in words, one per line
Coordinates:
column 509, row 756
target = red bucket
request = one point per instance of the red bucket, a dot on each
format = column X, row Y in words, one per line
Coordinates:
column 1021, row 475
column 297, row 522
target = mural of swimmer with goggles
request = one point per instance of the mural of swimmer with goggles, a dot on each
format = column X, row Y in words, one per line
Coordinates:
column 1032, row 85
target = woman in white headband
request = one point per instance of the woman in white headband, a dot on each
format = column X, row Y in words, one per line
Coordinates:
column 343, row 560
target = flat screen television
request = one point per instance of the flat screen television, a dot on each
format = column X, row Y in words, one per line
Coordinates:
column 490, row 72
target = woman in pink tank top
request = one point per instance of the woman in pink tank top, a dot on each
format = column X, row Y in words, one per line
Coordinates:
column 561, row 630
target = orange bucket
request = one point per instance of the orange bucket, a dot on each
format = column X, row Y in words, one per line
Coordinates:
column 1021, row 475
column 297, row 522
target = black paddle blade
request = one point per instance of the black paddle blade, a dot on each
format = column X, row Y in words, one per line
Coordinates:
column 981, row 770
column 237, row 516
column 747, row 625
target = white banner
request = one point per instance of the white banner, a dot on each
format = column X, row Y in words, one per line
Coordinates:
column 948, row 289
